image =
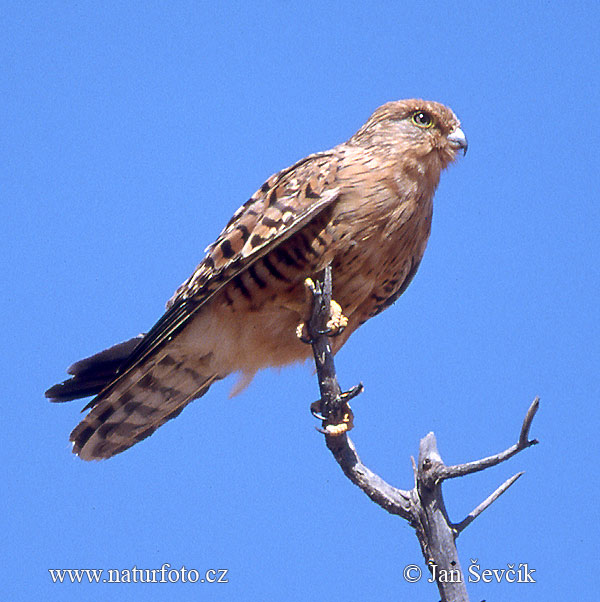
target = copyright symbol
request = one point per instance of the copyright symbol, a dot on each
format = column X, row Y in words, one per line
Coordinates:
column 411, row 573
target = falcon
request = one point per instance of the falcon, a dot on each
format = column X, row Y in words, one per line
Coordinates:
column 363, row 207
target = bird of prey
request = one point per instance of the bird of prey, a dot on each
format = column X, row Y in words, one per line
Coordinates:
column 363, row 207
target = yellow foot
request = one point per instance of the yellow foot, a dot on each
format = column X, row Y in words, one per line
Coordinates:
column 335, row 325
column 338, row 321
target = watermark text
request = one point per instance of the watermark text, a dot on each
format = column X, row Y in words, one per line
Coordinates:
column 513, row 573
column 165, row 574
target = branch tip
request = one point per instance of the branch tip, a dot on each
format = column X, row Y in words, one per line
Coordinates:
column 458, row 528
column 524, row 436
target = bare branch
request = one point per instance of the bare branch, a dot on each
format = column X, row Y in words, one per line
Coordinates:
column 395, row 501
column 423, row 506
column 459, row 470
column 486, row 504
column 329, row 387
column 524, row 436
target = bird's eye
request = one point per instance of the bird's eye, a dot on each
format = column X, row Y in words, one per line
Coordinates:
column 422, row 119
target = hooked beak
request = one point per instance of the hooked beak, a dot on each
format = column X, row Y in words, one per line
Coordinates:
column 458, row 140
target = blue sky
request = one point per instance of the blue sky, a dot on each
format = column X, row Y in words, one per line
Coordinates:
column 132, row 131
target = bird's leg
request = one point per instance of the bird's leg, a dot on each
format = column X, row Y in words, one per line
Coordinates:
column 337, row 320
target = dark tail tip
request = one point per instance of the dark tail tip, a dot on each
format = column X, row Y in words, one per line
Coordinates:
column 93, row 373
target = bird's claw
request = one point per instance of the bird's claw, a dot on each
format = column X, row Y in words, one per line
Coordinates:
column 335, row 325
column 341, row 419
column 353, row 392
column 345, row 424
column 315, row 410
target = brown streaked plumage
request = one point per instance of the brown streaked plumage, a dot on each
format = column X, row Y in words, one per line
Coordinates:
column 364, row 206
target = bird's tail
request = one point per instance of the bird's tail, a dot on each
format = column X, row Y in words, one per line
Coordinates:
column 129, row 407
column 92, row 374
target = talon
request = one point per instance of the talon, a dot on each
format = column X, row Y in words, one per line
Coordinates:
column 331, row 428
column 352, row 392
column 315, row 410
column 332, row 424
column 332, row 332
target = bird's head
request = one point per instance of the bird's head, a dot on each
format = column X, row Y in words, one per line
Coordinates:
column 417, row 132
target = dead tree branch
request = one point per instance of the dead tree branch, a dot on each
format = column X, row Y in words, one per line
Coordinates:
column 422, row 506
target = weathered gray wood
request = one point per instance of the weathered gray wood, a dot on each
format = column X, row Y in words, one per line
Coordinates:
column 423, row 506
